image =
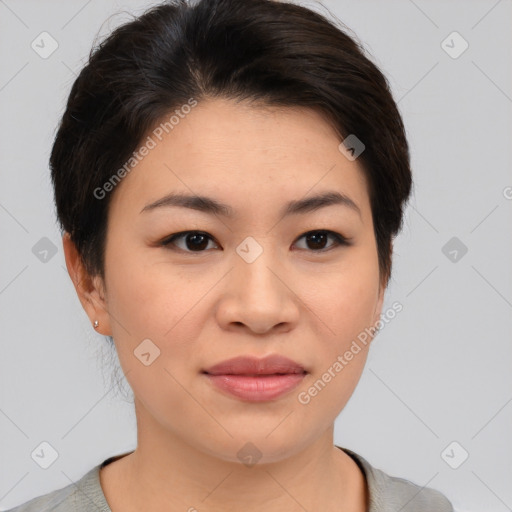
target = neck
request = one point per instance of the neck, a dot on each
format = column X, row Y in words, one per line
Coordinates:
column 164, row 473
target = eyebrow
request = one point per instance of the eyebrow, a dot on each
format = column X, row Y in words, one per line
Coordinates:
column 212, row 206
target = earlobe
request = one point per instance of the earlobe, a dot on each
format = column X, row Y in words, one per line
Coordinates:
column 90, row 289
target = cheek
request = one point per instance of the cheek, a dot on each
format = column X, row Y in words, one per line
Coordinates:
column 148, row 303
column 141, row 295
column 155, row 302
column 345, row 307
column 345, row 300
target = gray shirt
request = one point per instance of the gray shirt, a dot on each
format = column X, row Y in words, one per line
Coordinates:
column 386, row 493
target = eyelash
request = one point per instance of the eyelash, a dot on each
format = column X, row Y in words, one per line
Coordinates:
column 339, row 240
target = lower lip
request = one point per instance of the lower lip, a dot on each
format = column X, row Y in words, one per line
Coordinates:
column 257, row 389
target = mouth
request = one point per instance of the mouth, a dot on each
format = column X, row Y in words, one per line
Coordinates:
column 253, row 366
column 256, row 380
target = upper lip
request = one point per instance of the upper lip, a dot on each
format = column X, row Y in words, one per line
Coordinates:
column 249, row 365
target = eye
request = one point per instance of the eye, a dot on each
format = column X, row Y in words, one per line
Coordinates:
column 197, row 241
column 317, row 239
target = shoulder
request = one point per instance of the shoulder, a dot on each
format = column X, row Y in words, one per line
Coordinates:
column 389, row 493
column 81, row 496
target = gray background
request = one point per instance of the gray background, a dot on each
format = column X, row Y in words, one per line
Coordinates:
column 439, row 372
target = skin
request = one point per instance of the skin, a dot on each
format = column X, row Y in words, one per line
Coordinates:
column 201, row 308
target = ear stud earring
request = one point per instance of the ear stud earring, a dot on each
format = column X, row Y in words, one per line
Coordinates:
column 96, row 324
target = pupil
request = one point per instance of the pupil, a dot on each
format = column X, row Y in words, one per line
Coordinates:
column 197, row 238
column 315, row 238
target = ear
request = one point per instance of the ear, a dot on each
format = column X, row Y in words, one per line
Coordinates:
column 90, row 290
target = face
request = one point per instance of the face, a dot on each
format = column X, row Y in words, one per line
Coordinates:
column 248, row 280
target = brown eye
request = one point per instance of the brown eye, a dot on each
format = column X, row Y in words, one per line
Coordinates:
column 195, row 241
column 317, row 240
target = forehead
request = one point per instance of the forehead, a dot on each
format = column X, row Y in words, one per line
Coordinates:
column 245, row 155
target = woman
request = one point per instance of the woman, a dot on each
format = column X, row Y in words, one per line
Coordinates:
column 229, row 177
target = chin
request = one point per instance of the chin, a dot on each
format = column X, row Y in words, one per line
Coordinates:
column 259, row 443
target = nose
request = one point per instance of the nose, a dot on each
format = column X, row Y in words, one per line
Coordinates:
column 258, row 297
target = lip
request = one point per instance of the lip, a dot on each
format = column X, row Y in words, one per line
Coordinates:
column 249, row 365
column 256, row 379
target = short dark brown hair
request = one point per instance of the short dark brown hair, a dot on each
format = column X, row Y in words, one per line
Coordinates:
column 269, row 52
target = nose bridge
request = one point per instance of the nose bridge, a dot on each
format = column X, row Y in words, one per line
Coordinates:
column 256, row 266
column 258, row 296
